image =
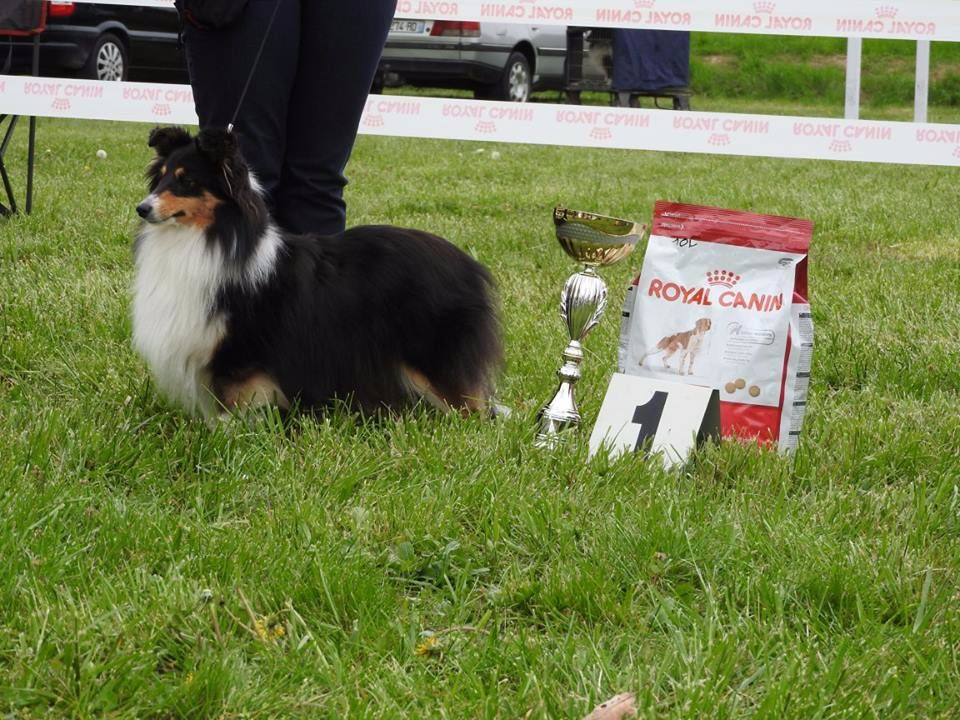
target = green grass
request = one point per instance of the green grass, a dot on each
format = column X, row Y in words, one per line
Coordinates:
column 812, row 70
column 141, row 549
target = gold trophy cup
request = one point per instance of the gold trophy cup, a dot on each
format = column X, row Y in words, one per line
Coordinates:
column 593, row 240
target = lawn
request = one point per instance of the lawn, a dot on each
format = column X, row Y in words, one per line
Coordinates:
column 810, row 69
column 441, row 567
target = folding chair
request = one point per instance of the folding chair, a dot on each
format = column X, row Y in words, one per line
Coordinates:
column 19, row 18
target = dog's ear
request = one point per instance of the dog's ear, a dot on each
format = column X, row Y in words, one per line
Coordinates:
column 164, row 140
column 218, row 145
column 167, row 139
column 222, row 148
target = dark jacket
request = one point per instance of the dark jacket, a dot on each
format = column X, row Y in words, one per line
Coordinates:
column 210, row 14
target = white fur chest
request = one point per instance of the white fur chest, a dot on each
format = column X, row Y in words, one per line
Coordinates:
column 696, row 340
column 174, row 328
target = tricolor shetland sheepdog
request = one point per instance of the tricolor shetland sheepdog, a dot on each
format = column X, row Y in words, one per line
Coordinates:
column 230, row 311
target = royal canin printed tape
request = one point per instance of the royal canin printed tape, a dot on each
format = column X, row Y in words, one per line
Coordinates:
column 533, row 123
column 896, row 19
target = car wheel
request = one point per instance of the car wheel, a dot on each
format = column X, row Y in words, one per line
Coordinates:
column 515, row 83
column 108, row 59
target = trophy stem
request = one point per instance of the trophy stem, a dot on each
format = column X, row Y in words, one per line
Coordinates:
column 561, row 412
column 581, row 305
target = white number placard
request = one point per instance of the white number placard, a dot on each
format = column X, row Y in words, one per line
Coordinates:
column 655, row 416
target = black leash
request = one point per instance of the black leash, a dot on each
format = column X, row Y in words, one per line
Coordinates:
column 253, row 68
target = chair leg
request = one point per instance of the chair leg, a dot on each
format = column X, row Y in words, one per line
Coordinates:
column 31, row 155
column 6, row 210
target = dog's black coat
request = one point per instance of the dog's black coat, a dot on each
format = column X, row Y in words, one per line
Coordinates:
column 341, row 317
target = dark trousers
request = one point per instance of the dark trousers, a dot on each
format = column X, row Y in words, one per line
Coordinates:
column 298, row 122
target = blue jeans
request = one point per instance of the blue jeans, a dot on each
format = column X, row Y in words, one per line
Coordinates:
column 298, row 122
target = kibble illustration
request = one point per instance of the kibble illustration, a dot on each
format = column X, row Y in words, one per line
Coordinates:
column 739, row 384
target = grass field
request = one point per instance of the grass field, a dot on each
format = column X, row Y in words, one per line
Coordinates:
column 439, row 567
column 811, row 69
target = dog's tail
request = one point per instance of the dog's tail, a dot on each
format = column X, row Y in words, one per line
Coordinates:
column 479, row 351
column 649, row 353
column 467, row 354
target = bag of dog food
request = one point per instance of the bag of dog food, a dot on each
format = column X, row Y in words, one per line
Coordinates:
column 721, row 301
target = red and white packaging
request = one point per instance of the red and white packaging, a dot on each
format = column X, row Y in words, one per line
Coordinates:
column 722, row 301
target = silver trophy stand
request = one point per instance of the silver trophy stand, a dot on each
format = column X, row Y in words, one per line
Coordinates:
column 594, row 240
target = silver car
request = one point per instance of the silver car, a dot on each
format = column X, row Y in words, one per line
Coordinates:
column 498, row 61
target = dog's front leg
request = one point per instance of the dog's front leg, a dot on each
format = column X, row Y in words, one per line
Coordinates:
column 666, row 359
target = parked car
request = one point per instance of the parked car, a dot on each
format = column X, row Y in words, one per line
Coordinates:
column 499, row 61
column 104, row 42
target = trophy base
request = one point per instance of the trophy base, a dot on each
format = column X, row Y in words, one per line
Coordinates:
column 558, row 419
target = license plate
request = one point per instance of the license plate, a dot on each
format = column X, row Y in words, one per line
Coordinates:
column 407, row 26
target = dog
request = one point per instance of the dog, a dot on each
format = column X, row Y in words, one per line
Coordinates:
column 231, row 312
column 686, row 343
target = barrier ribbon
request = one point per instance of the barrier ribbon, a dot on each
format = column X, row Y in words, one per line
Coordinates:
column 533, row 123
column 891, row 19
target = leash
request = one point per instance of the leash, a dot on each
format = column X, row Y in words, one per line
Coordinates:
column 253, row 68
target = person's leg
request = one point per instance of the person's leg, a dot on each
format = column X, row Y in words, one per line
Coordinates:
column 340, row 47
column 219, row 63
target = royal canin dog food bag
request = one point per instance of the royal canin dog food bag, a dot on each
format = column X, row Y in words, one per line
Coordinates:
column 721, row 301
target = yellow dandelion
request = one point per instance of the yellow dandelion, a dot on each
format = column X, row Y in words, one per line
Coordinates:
column 428, row 646
column 268, row 629
column 188, row 680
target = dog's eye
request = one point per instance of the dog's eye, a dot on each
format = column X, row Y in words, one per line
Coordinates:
column 185, row 182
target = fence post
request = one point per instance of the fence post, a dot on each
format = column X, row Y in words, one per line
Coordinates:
column 851, row 109
column 921, row 93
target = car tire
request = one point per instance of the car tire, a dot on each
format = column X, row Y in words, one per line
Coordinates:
column 515, row 84
column 107, row 60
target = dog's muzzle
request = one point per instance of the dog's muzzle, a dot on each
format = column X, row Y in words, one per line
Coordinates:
column 148, row 211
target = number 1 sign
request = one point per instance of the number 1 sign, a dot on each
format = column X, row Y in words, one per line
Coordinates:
column 650, row 416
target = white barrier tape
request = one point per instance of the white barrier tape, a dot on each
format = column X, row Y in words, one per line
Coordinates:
column 896, row 19
column 533, row 123
column 97, row 100
column 664, row 130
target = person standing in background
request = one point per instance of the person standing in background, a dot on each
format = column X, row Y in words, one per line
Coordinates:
column 298, row 121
